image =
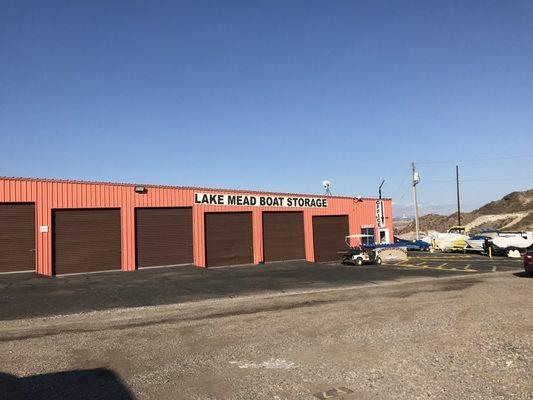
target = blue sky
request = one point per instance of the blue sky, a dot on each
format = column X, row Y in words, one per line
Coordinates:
column 271, row 95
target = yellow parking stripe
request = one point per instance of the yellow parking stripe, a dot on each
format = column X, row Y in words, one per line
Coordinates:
column 413, row 266
column 442, row 258
column 444, row 255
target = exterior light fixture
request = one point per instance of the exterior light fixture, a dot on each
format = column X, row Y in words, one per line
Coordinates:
column 140, row 189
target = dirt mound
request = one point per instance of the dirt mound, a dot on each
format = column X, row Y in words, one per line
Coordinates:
column 513, row 202
column 526, row 224
column 493, row 215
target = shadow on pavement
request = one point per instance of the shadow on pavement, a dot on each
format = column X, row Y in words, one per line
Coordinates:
column 99, row 383
column 523, row 274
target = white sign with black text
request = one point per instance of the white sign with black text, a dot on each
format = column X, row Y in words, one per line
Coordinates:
column 380, row 214
column 220, row 199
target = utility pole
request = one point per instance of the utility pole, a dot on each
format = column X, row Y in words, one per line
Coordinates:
column 458, row 198
column 416, row 179
column 380, row 188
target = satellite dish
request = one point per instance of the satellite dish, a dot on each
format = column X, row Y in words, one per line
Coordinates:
column 326, row 185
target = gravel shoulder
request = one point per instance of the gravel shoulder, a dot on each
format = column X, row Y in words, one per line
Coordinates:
column 461, row 337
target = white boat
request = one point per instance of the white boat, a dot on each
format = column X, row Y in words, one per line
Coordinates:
column 454, row 239
column 507, row 241
column 477, row 242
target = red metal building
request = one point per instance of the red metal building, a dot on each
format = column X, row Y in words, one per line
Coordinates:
column 57, row 227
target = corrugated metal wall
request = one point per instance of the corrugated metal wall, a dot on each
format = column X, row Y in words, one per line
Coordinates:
column 48, row 195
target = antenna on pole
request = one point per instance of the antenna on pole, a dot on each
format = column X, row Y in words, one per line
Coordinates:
column 326, row 184
column 416, row 179
column 382, row 182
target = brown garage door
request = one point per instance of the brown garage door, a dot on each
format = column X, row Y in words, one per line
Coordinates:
column 283, row 236
column 86, row 240
column 163, row 236
column 328, row 236
column 17, row 237
column 228, row 238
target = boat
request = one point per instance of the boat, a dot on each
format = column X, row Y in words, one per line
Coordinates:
column 454, row 239
column 477, row 242
column 506, row 242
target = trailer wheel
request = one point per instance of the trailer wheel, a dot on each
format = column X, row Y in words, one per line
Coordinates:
column 378, row 261
column 358, row 262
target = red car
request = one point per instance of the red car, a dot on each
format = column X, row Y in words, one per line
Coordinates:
column 528, row 262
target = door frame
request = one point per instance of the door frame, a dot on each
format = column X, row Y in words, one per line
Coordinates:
column 263, row 233
column 387, row 235
column 135, row 235
column 205, row 234
column 313, row 227
column 53, row 239
column 35, row 236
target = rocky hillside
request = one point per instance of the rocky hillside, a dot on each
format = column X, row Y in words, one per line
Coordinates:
column 512, row 212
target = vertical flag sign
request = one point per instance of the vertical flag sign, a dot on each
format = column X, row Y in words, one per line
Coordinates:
column 380, row 214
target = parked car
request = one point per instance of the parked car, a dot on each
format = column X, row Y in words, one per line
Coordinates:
column 528, row 262
column 417, row 245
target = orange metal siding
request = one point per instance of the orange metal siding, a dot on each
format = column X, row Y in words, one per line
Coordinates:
column 50, row 194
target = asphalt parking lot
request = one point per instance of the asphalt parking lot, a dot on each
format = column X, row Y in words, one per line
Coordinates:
column 458, row 262
column 30, row 295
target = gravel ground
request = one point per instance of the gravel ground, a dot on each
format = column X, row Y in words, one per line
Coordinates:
column 463, row 337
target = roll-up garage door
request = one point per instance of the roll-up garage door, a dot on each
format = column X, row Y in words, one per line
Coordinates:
column 228, row 238
column 163, row 236
column 86, row 240
column 17, row 237
column 328, row 236
column 283, row 236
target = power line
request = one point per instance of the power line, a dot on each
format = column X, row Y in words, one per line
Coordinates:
column 476, row 160
column 405, row 192
column 402, row 183
column 479, row 180
column 497, row 180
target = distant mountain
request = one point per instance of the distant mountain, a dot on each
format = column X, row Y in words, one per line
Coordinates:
column 512, row 212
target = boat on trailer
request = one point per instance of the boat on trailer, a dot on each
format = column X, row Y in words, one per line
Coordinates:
column 506, row 242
